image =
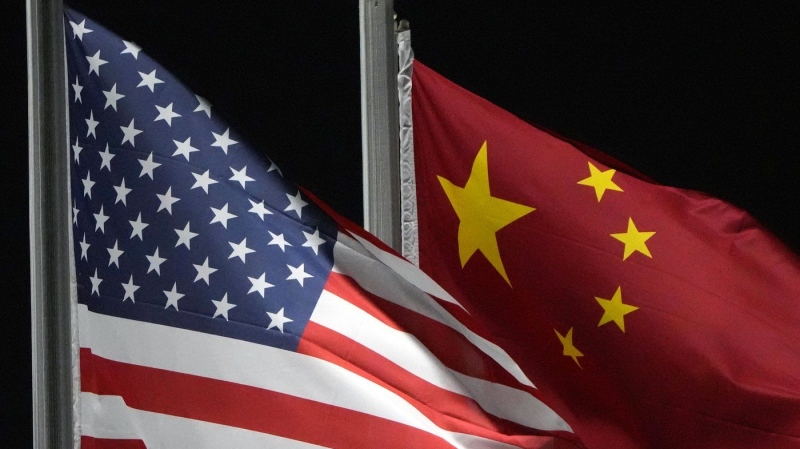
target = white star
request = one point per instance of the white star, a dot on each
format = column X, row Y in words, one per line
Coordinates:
column 223, row 141
column 122, row 193
column 131, row 49
column 298, row 273
column 259, row 285
column 185, row 237
column 87, row 185
column 296, row 204
column 155, row 262
column 130, row 289
column 75, row 211
column 112, row 97
column 274, row 167
column 204, row 106
column 78, row 88
column 278, row 320
column 148, row 166
column 106, row 157
column 240, row 176
column 203, row 272
column 92, row 124
column 149, row 80
column 258, row 209
column 203, row 181
column 138, row 226
column 173, row 296
column 167, row 200
column 79, row 29
column 184, row 148
column 166, row 114
column 114, row 253
column 278, row 240
column 95, row 62
column 130, row 133
column 222, row 216
column 77, row 150
column 101, row 219
column 240, row 250
column 222, row 307
column 313, row 240
column 85, row 248
column 95, row 283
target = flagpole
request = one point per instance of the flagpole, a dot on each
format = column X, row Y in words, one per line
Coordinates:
column 379, row 121
column 49, row 216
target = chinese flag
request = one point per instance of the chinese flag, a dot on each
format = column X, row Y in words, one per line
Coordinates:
column 647, row 316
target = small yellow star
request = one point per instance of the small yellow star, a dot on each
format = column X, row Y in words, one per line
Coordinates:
column 634, row 240
column 600, row 180
column 480, row 214
column 614, row 309
column 570, row 349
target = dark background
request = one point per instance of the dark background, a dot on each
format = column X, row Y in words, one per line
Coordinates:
column 698, row 97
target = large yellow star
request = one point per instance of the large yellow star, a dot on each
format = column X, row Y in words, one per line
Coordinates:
column 600, row 180
column 634, row 240
column 480, row 214
column 615, row 310
column 569, row 349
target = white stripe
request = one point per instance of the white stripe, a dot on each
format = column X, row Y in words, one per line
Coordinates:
column 409, row 353
column 408, row 271
column 353, row 260
column 109, row 417
column 256, row 365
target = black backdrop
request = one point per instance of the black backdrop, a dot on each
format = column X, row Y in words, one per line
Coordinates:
column 699, row 97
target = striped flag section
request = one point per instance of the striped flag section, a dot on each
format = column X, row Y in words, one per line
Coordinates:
column 359, row 378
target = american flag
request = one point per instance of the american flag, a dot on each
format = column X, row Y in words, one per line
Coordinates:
column 221, row 306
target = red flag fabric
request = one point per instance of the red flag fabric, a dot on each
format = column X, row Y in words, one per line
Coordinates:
column 648, row 316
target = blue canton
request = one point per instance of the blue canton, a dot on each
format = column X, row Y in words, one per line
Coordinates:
column 175, row 221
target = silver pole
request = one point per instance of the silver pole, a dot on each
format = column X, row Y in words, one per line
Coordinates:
column 49, row 216
column 379, row 122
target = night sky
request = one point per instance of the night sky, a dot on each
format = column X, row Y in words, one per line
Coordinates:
column 696, row 97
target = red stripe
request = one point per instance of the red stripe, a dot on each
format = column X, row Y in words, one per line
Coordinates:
column 346, row 288
column 446, row 409
column 246, row 407
column 450, row 347
column 88, row 442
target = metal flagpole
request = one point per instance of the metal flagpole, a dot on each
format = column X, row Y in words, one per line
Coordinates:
column 379, row 120
column 49, row 216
